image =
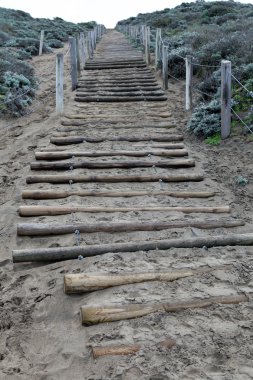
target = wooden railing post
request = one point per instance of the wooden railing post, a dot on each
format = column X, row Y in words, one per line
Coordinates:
column 188, row 82
column 225, row 98
column 87, row 43
column 165, row 67
column 91, row 47
column 42, row 33
column 73, row 62
column 82, row 45
column 78, row 60
column 157, row 46
column 147, row 44
column 59, row 83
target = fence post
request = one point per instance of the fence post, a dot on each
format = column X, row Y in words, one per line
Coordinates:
column 42, row 33
column 157, row 46
column 73, row 62
column 59, row 83
column 165, row 67
column 82, row 43
column 90, row 42
column 147, row 44
column 225, row 98
column 188, row 82
column 78, row 60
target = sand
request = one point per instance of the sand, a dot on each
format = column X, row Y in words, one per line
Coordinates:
column 41, row 334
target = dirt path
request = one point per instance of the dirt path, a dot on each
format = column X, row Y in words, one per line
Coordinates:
column 42, row 336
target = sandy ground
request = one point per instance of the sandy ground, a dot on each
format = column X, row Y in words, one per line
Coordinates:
column 41, row 334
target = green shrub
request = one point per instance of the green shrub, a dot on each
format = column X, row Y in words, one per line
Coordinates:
column 206, row 119
column 56, row 44
column 19, row 93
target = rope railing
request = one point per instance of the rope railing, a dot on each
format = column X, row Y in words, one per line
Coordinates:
column 161, row 61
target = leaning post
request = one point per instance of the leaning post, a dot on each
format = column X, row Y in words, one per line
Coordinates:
column 225, row 98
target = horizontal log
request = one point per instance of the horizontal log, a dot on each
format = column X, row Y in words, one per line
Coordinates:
column 115, row 350
column 120, row 83
column 116, row 89
column 46, row 229
column 148, row 124
column 81, row 282
column 51, row 194
column 71, row 165
column 109, row 99
column 63, row 210
column 108, row 67
column 93, row 315
column 70, row 178
column 106, row 93
column 106, row 115
column 63, row 155
column 82, row 139
column 70, row 253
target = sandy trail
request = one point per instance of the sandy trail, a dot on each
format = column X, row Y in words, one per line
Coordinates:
column 41, row 333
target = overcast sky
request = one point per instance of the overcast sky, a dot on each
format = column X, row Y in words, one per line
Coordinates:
column 106, row 12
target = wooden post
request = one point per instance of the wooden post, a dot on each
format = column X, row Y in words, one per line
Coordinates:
column 147, row 44
column 42, row 33
column 90, row 41
column 157, row 46
column 188, row 87
column 73, row 62
column 82, row 45
column 87, row 46
column 225, row 98
column 95, row 37
column 165, row 67
column 59, row 83
column 78, row 60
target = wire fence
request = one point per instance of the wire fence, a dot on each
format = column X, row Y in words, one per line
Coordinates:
column 160, row 44
column 35, row 103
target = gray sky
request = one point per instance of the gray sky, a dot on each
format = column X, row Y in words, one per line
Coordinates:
column 106, row 12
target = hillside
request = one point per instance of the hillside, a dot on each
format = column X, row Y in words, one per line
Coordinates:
column 19, row 41
column 210, row 32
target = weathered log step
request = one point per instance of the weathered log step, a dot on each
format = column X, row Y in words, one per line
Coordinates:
column 70, row 165
column 126, row 60
column 108, row 67
column 118, row 85
column 78, row 283
column 103, row 93
column 130, row 122
column 51, row 194
column 71, row 253
column 64, row 210
column 83, row 139
column 120, row 99
column 91, row 315
column 129, row 81
column 144, row 125
column 93, row 115
column 115, row 61
column 46, row 229
column 125, row 90
column 137, row 153
column 70, row 178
